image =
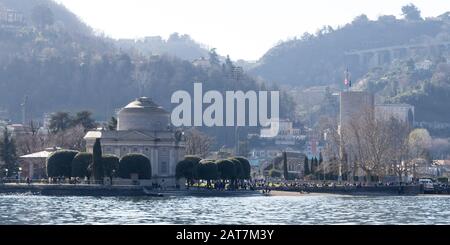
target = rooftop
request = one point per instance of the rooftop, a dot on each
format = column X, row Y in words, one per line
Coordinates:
column 142, row 102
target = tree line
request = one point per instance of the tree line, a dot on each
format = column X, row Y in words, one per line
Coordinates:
column 227, row 171
column 377, row 148
column 8, row 154
column 65, row 130
column 318, row 58
column 62, row 69
column 96, row 166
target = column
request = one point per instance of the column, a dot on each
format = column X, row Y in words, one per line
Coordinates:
column 172, row 162
column 154, row 161
column 30, row 169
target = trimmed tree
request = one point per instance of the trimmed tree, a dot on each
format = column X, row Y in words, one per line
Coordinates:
column 316, row 167
column 227, row 170
column 313, row 165
column 207, row 170
column 246, row 167
column 97, row 166
column 306, row 167
column 135, row 164
column 238, row 168
column 285, row 167
column 319, row 163
column 59, row 163
column 80, row 164
column 320, row 158
column 186, row 168
column 110, row 165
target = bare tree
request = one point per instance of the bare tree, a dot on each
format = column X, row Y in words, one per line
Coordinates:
column 419, row 141
column 197, row 143
column 333, row 147
column 31, row 140
column 72, row 138
column 368, row 143
column 399, row 161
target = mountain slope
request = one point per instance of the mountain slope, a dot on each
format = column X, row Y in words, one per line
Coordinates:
column 181, row 46
column 63, row 66
column 60, row 13
column 321, row 58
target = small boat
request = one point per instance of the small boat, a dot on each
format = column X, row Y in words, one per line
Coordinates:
column 150, row 193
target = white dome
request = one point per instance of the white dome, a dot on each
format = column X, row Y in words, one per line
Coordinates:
column 143, row 114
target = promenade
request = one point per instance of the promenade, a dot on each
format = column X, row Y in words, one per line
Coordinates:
column 115, row 190
column 65, row 189
column 357, row 190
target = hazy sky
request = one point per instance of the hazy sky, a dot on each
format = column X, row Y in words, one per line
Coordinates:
column 244, row 29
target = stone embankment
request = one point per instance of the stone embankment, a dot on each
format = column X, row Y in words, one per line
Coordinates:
column 114, row 190
column 357, row 190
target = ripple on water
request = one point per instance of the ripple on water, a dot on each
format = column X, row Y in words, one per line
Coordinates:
column 317, row 209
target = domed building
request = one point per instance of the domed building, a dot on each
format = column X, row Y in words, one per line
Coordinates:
column 144, row 127
column 143, row 114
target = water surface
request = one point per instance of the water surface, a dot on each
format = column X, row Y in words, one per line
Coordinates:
column 309, row 209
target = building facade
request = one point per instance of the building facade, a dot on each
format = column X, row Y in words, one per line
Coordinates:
column 353, row 105
column 287, row 133
column 144, row 127
column 295, row 163
column 9, row 16
column 402, row 112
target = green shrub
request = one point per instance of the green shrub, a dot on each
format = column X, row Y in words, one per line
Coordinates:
column 110, row 165
column 80, row 164
column 59, row 163
column 227, row 170
column 185, row 168
column 97, row 164
column 245, row 164
column 275, row 173
column 207, row 170
column 135, row 164
column 239, row 170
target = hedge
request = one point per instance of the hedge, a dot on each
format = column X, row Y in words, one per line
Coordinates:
column 59, row 163
column 135, row 164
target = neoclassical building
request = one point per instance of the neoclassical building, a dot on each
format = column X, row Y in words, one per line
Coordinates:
column 144, row 127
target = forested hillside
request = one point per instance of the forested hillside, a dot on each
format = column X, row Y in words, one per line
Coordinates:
column 57, row 62
column 420, row 78
column 426, row 85
column 320, row 58
column 181, row 46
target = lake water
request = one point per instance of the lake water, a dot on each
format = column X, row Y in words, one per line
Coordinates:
column 309, row 209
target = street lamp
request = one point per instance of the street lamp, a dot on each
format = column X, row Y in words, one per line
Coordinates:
column 18, row 174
